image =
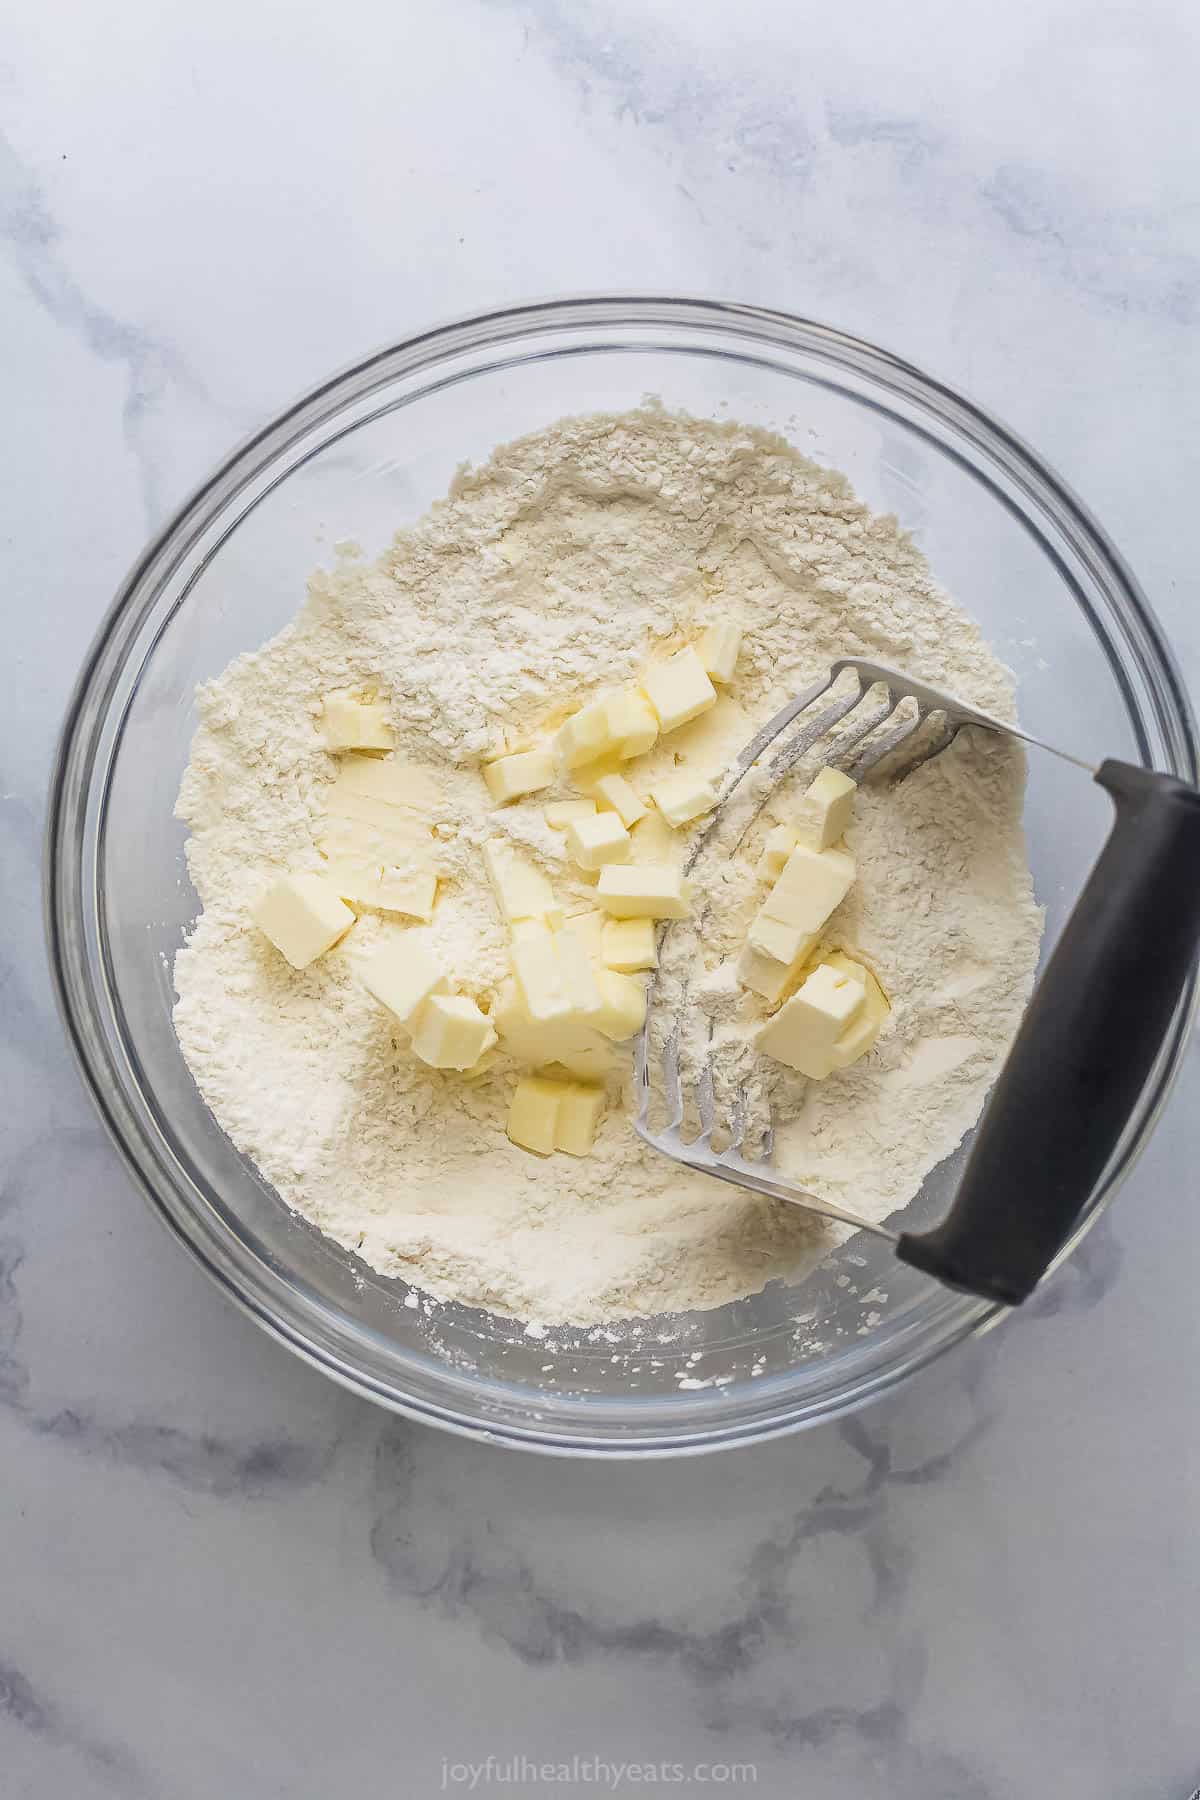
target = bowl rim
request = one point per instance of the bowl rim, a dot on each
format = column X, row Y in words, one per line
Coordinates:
column 1166, row 692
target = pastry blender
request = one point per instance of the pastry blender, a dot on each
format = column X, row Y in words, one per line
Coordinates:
column 1089, row 1038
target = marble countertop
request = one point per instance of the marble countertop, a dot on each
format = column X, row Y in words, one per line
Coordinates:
column 219, row 1574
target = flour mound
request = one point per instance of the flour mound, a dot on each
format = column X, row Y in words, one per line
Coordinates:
column 556, row 568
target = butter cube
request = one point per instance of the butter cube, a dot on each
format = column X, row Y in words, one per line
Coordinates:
column 533, row 1114
column 765, row 975
column 779, row 844
column 678, row 689
column 357, row 883
column 719, row 649
column 824, row 812
column 580, row 1110
column 787, row 926
column 554, row 972
column 410, row 892
column 597, row 840
column 614, row 794
column 578, row 975
column 304, row 916
column 350, row 723
column 628, row 945
column 812, row 884
column 632, row 724
column 521, row 890
column 588, row 928
column 585, row 778
column 860, row 1035
column 550, row 1115
column 540, row 976
column 623, row 1008
column 403, row 975
column 857, row 1039
column 559, row 813
column 362, row 829
column 389, row 779
column 786, row 943
column 378, row 813
column 388, row 889
column 591, row 1062
column 804, row 1032
column 525, row 773
column 451, row 1032
column 578, row 1047
column 654, row 841
column 402, row 838
column 585, row 737
column 682, row 798
column 642, row 891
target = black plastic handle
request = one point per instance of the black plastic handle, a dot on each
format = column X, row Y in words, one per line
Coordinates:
column 1091, row 1034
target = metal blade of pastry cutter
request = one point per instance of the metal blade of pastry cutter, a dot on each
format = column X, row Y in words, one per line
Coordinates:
column 874, row 717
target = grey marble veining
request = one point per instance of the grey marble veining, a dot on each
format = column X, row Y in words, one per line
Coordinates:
column 219, row 1574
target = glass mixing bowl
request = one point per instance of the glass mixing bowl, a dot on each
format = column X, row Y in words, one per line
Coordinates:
column 368, row 451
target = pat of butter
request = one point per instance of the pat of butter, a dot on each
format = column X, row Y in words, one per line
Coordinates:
column 403, row 975
column 354, row 882
column 654, row 841
column 579, row 977
column 589, row 928
column 390, row 779
column 825, row 809
column 682, row 798
column 451, row 1032
column 578, row 1047
column 860, row 1035
column 598, row 839
column 412, row 893
column 378, row 812
column 614, row 794
column 387, row 889
column 351, row 723
column 813, row 883
column 620, row 726
column 788, row 925
column 623, row 1009
column 533, row 1114
column 540, row 979
column 559, row 813
column 642, row 891
column 304, row 916
column 509, row 777
column 521, row 890
column 778, row 846
column 766, row 975
column 785, row 943
column 554, row 974
column 579, row 1113
column 804, row 1032
column 360, row 825
column 400, row 837
column 585, row 737
column 546, row 1115
column 678, row 689
column 632, row 724
column 719, row 649
column 628, row 945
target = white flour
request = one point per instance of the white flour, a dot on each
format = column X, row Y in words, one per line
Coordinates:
column 553, row 570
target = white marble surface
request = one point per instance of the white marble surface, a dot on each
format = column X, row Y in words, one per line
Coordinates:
column 219, row 1575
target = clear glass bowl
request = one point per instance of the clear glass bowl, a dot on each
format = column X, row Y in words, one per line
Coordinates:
column 367, row 451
